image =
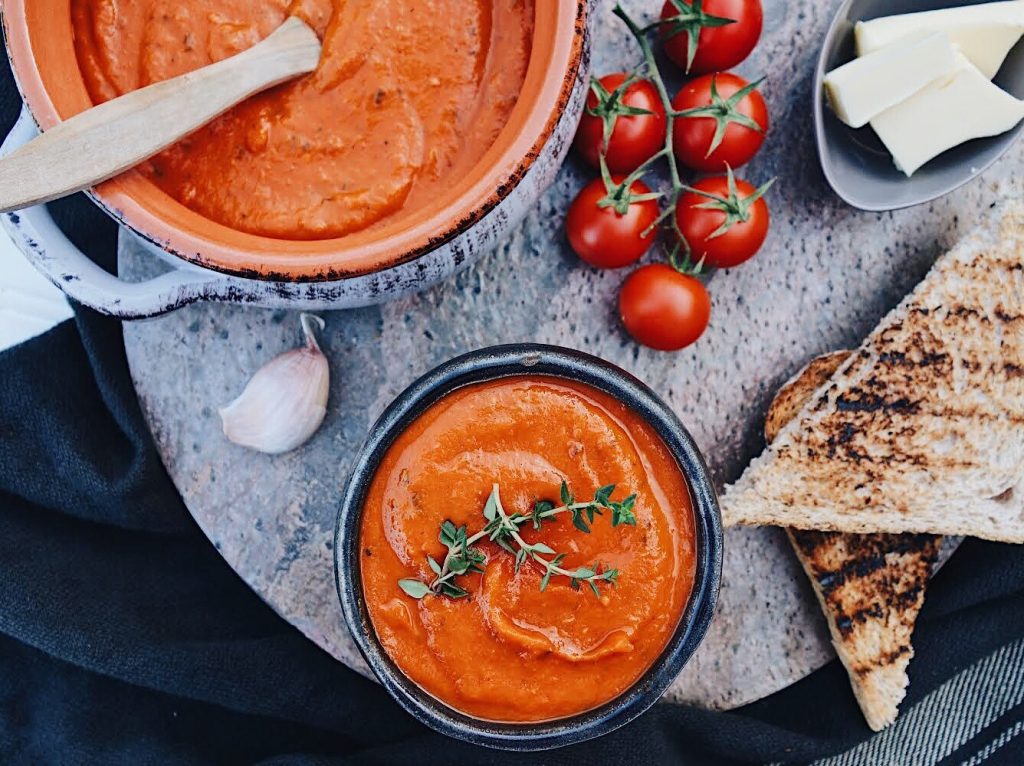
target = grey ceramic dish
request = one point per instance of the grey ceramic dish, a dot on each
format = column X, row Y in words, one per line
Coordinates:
column 855, row 162
column 490, row 364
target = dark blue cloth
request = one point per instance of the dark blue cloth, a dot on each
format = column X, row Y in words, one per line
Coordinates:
column 125, row 639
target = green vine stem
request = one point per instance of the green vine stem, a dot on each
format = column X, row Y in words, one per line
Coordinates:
column 651, row 71
column 723, row 111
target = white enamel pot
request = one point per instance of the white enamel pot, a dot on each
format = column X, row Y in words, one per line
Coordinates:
column 474, row 224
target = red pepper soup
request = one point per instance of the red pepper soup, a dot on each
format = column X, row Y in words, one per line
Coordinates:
column 408, row 97
column 502, row 570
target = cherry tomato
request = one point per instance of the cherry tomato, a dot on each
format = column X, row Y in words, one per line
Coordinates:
column 741, row 210
column 719, row 100
column 602, row 236
column 663, row 308
column 635, row 137
column 718, row 47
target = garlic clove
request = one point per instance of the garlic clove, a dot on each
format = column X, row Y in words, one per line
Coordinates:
column 284, row 403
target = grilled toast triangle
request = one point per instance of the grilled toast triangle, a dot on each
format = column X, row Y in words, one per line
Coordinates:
column 922, row 428
column 870, row 587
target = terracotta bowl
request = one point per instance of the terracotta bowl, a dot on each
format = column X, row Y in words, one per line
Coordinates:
column 360, row 269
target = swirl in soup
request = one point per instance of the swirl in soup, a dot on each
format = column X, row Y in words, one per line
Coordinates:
column 408, row 97
column 498, row 646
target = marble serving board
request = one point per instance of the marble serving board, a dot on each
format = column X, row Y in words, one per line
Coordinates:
column 825, row 277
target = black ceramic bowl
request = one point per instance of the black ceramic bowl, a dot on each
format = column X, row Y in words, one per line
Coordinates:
column 501, row 362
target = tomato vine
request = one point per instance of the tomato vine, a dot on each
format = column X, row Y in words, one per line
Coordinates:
column 632, row 124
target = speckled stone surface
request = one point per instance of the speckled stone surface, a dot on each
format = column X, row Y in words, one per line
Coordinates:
column 825, row 277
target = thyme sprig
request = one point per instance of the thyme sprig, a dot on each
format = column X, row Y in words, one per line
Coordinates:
column 502, row 528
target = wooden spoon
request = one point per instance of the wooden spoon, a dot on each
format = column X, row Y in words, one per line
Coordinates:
column 110, row 138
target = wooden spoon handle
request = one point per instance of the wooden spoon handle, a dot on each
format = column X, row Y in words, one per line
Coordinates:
column 108, row 139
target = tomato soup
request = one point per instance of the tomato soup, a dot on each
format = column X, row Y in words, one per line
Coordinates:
column 507, row 650
column 408, row 97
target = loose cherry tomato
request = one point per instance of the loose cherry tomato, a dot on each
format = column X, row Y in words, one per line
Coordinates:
column 726, row 228
column 719, row 45
column 725, row 124
column 663, row 308
column 635, row 136
column 607, row 237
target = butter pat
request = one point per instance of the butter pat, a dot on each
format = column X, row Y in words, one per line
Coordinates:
column 959, row 107
column 867, row 86
column 984, row 33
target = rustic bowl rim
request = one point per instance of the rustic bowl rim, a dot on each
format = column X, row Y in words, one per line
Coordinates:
column 201, row 242
column 549, row 361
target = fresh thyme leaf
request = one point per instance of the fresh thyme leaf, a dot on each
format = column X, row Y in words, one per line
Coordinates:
column 593, row 587
column 477, row 560
column 414, row 588
column 434, row 566
column 566, row 495
column 539, row 508
column 542, row 548
column 491, row 507
column 579, row 522
column 451, row 590
column 622, row 513
column 448, row 533
column 604, row 494
column 520, row 558
column 546, row 579
column 494, row 529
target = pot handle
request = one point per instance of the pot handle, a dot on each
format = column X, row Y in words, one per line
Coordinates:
column 37, row 236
